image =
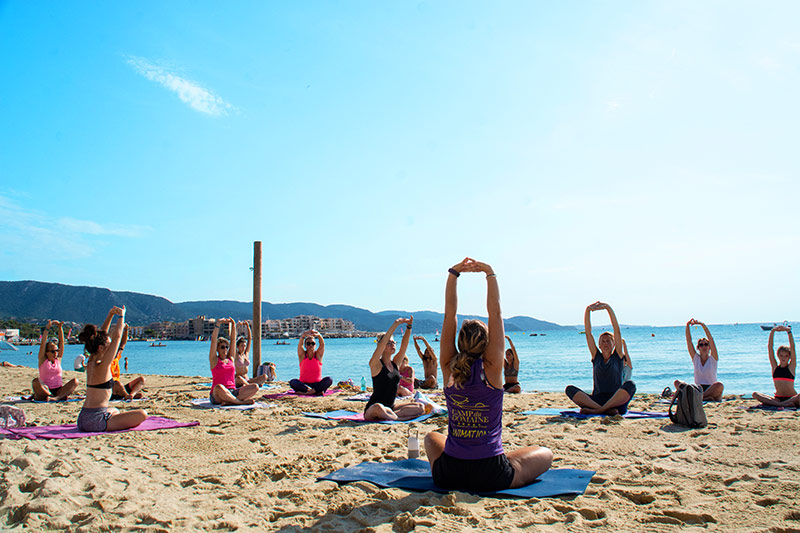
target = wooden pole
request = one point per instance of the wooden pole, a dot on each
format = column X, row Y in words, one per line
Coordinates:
column 256, row 306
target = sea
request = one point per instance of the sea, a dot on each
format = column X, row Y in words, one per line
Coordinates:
column 549, row 360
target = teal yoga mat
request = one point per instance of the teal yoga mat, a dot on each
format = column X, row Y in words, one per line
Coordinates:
column 574, row 413
column 415, row 474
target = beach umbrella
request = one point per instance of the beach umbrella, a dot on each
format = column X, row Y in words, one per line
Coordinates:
column 7, row 346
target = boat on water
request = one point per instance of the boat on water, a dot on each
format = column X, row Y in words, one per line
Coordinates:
column 769, row 328
column 158, row 345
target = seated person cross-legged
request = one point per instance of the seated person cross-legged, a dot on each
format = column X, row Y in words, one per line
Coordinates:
column 472, row 457
column 610, row 394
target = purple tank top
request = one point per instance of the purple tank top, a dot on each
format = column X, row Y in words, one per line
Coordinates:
column 475, row 418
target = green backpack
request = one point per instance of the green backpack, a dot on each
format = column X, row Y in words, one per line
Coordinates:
column 688, row 403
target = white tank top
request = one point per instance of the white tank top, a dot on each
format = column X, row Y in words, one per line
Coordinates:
column 705, row 374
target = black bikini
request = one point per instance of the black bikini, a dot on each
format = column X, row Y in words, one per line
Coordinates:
column 106, row 385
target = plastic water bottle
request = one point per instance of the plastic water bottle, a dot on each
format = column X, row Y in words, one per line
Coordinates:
column 363, row 384
column 413, row 444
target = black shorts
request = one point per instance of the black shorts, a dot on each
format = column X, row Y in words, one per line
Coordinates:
column 473, row 475
column 54, row 391
column 705, row 387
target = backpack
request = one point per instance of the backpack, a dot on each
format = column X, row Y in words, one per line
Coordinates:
column 688, row 402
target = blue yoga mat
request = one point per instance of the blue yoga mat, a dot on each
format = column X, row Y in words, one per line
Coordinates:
column 574, row 413
column 359, row 417
column 415, row 474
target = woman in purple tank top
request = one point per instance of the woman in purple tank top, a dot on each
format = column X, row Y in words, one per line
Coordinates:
column 471, row 457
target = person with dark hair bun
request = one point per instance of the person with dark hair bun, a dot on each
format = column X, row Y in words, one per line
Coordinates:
column 471, row 457
column 50, row 383
column 102, row 349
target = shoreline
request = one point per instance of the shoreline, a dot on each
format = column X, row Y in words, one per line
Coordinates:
column 257, row 469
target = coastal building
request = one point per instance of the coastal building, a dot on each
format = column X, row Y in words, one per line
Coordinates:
column 201, row 327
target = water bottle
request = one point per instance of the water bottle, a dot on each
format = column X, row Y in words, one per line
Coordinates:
column 363, row 384
column 413, row 443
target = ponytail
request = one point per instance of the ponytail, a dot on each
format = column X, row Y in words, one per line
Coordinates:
column 92, row 339
column 472, row 341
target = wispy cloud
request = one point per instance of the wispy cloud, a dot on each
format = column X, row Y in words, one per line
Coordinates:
column 28, row 232
column 190, row 92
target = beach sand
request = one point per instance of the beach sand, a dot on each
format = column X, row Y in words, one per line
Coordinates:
column 257, row 470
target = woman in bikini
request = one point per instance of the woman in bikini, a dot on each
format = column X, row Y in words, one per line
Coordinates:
column 406, row 385
column 95, row 416
column 704, row 360
column 386, row 378
column 50, row 383
column 223, row 371
column 429, row 365
column 783, row 373
column 472, row 457
column 610, row 394
column 310, row 360
column 242, row 359
column 511, row 369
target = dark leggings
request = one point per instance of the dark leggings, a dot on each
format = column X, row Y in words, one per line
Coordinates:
column 602, row 398
column 318, row 387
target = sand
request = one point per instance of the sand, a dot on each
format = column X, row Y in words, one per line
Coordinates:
column 257, row 470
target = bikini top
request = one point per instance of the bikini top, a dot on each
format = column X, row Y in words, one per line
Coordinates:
column 782, row 373
column 106, row 385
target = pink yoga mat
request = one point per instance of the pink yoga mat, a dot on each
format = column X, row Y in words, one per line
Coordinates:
column 71, row 431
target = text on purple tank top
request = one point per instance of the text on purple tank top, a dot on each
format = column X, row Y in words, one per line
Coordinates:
column 475, row 418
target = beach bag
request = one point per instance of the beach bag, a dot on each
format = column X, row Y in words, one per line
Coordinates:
column 688, row 404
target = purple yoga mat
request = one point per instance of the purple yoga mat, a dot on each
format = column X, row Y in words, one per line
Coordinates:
column 71, row 431
column 291, row 393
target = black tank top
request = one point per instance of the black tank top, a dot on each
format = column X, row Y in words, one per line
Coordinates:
column 384, row 386
column 782, row 373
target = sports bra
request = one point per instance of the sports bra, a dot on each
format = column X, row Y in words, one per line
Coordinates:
column 782, row 373
column 106, row 385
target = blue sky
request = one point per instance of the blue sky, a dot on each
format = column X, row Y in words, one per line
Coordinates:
column 640, row 153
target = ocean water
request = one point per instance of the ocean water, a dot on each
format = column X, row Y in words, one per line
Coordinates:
column 548, row 362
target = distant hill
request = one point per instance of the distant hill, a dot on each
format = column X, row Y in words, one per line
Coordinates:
column 39, row 301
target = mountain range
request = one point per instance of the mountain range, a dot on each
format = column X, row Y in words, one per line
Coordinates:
column 36, row 301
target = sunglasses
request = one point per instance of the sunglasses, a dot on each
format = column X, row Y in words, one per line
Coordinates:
column 50, row 351
column 311, row 344
column 702, row 344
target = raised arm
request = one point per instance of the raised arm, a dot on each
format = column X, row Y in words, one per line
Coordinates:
column 587, row 328
column 374, row 361
column 249, row 337
column 114, row 337
column 212, row 352
column 124, row 340
column 419, row 352
column 710, row 338
column 511, row 344
column 321, row 347
column 43, row 344
column 398, row 358
column 772, row 361
column 689, row 341
column 60, row 340
column 793, row 360
column 107, row 322
column 495, row 349
column 301, row 349
column 231, row 338
column 626, row 355
column 615, row 326
column 447, row 341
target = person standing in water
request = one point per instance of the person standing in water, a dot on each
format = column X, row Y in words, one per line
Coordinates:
column 472, row 457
